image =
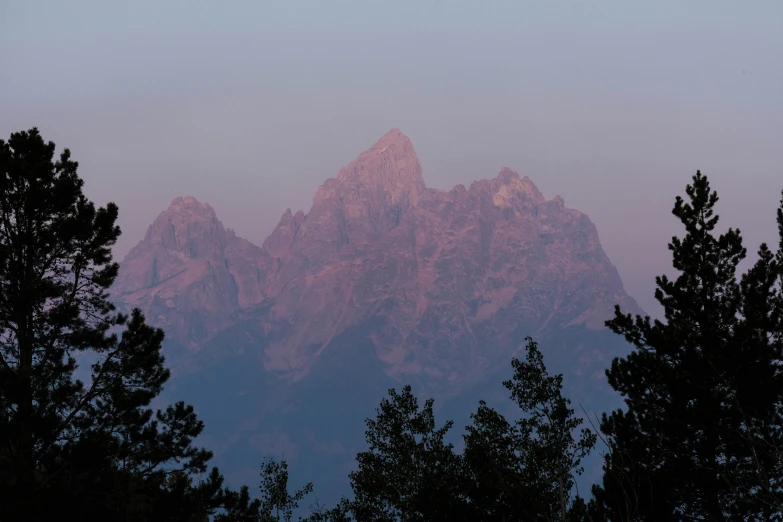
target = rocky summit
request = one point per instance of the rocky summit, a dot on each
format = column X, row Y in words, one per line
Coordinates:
column 443, row 286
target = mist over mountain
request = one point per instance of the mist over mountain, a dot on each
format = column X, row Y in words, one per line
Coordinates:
column 286, row 347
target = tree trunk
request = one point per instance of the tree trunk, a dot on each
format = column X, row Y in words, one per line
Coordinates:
column 25, row 467
column 562, row 498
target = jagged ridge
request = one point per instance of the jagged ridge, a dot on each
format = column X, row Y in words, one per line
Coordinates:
column 451, row 281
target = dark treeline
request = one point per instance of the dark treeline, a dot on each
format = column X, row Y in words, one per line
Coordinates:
column 700, row 437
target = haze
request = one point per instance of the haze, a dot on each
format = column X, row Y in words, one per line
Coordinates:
column 251, row 105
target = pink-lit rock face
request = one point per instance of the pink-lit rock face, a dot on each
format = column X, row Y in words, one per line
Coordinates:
column 446, row 283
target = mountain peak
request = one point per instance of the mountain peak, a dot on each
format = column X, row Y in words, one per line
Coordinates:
column 369, row 197
column 187, row 226
column 506, row 174
column 189, row 204
column 508, row 186
column 390, row 167
column 279, row 242
column 393, row 137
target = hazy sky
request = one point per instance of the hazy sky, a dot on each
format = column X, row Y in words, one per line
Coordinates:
column 250, row 105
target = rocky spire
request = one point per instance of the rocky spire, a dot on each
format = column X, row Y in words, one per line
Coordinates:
column 188, row 229
column 389, row 168
column 187, row 226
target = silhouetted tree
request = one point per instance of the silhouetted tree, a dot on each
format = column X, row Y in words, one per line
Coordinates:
column 703, row 388
column 237, row 506
column 340, row 513
column 496, row 479
column 408, row 473
column 276, row 502
column 90, row 450
column 525, row 470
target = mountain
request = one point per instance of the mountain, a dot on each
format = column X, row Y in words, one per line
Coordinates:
column 383, row 281
column 452, row 278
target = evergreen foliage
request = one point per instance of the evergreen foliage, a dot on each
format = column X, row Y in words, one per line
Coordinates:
column 700, row 437
column 94, row 450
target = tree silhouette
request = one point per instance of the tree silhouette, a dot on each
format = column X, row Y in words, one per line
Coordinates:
column 94, row 449
column 408, row 473
column 703, row 389
column 525, row 470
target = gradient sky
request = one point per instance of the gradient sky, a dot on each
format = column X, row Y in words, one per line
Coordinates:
column 250, row 105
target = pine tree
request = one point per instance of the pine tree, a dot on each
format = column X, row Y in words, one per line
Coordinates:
column 85, row 450
column 703, row 388
column 237, row 506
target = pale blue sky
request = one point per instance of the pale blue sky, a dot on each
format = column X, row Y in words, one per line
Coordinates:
column 250, row 105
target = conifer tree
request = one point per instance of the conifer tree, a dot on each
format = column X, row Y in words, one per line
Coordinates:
column 91, row 450
column 703, row 388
